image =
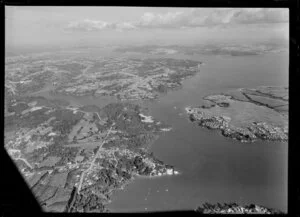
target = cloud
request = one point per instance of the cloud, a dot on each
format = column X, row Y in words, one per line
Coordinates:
column 168, row 20
column 89, row 25
column 124, row 25
column 252, row 16
column 195, row 18
column 189, row 19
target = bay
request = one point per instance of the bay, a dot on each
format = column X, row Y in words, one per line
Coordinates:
column 212, row 168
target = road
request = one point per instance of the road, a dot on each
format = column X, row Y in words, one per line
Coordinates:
column 25, row 161
column 93, row 161
column 96, row 155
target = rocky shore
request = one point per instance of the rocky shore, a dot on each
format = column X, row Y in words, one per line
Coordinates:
column 97, row 194
column 233, row 208
column 73, row 159
column 256, row 130
column 257, row 121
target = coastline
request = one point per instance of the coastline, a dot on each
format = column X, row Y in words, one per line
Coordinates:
column 219, row 115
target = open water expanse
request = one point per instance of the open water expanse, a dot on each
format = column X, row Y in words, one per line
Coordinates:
column 212, row 168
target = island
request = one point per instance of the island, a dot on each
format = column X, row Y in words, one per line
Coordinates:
column 74, row 157
column 234, row 208
column 246, row 114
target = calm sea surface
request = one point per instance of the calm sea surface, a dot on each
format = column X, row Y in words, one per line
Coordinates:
column 212, row 168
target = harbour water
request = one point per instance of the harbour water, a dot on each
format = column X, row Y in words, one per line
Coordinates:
column 212, row 168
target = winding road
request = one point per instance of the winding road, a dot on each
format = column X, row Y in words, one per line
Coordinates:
column 94, row 159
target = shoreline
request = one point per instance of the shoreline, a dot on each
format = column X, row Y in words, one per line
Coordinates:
column 204, row 116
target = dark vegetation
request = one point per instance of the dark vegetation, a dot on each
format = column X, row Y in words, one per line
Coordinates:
column 74, row 68
column 270, row 97
column 18, row 108
column 234, row 208
column 85, row 203
column 52, row 192
column 96, row 67
column 38, row 82
column 90, row 108
column 35, row 118
column 161, row 89
column 223, row 104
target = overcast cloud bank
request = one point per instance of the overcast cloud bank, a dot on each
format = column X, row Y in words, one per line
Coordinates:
column 189, row 19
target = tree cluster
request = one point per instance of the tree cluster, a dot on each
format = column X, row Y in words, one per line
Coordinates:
column 85, row 203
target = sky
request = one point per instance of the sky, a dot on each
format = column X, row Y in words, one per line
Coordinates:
column 71, row 26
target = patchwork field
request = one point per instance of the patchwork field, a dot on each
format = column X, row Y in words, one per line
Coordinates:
column 66, row 154
column 246, row 114
column 124, row 78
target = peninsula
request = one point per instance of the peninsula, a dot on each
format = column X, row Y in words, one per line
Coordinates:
column 246, row 114
column 73, row 159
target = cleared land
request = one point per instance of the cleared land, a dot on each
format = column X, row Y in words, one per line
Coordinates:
column 246, row 114
column 124, row 78
column 72, row 159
